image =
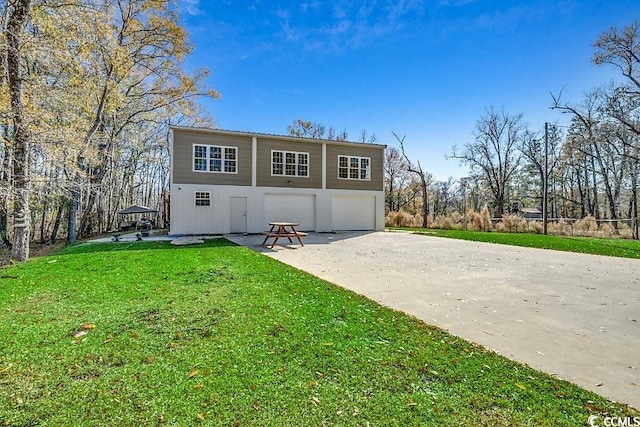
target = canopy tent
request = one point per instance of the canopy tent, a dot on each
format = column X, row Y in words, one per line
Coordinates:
column 145, row 223
column 136, row 209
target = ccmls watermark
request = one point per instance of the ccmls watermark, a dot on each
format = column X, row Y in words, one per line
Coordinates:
column 599, row 421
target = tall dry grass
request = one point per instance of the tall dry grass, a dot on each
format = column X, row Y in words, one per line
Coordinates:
column 402, row 219
column 481, row 221
column 512, row 224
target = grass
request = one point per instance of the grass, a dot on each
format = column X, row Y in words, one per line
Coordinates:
column 146, row 333
column 588, row 245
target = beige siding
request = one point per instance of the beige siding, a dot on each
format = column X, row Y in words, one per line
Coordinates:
column 183, row 141
column 376, row 155
column 264, row 178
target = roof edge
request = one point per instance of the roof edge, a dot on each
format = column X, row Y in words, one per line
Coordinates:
column 275, row 136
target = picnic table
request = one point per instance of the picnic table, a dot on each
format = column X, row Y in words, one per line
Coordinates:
column 283, row 229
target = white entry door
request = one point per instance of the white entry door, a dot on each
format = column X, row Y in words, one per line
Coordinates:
column 238, row 214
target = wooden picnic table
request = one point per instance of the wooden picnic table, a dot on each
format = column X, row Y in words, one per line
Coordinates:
column 283, row 229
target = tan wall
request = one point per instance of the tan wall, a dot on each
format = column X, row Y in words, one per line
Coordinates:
column 264, row 178
column 377, row 158
column 183, row 141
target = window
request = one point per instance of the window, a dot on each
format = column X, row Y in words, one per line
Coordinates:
column 203, row 198
column 289, row 163
column 353, row 167
column 214, row 158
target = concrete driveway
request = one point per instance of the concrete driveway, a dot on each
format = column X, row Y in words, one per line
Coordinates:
column 571, row 315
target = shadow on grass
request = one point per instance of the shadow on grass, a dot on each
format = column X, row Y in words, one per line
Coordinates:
column 139, row 246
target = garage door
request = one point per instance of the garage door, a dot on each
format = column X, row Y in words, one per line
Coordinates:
column 353, row 213
column 300, row 208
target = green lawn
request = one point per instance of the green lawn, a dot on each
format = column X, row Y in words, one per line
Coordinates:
column 146, row 333
column 589, row 245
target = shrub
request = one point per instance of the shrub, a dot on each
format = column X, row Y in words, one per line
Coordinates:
column 456, row 218
column 416, row 220
column 399, row 219
column 479, row 221
column 625, row 230
column 485, row 219
column 560, row 228
column 402, row 219
column 512, row 224
column 474, row 220
column 443, row 222
column 536, row 227
column 607, row 230
column 586, row 225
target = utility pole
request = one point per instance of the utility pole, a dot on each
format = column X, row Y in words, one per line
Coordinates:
column 545, row 180
column 463, row 184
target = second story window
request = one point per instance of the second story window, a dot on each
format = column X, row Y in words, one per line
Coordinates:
column 215, row 158
column 289, row 163
column 353, row 167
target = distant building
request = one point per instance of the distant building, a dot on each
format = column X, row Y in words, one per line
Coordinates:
column 531, row 213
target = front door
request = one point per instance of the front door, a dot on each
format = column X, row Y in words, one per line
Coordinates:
column 238, row 214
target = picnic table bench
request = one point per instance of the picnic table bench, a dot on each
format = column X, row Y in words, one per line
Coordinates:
column 283, row 229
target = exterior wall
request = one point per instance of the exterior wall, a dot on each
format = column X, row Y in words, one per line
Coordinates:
column 377, row 158
column 264, row 178
column 182, row 158
column 186, row 218
column 255, row 183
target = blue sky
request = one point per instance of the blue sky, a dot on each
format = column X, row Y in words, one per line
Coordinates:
column 427, row 69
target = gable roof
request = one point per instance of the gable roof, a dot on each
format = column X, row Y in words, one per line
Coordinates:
column 136, row 209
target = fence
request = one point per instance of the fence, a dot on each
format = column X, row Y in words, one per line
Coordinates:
column 588, row 226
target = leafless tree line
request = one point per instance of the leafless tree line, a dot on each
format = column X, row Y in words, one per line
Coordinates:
column 591, row 166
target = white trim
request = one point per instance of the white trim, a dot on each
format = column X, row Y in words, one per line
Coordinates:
column 171, row 161
column 296, row 164
column 195, row 198
column 254, row 161
column 324, row 166
column 207, row 158
column 349, row 167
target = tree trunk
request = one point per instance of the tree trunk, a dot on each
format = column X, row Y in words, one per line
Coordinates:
column 633, row 211
column 425, row 201
column 57, row 222
column 5, row 184
column 43, row 222
column 21, row 143
column 72, row 233
column 595, row 210
column 86, row 224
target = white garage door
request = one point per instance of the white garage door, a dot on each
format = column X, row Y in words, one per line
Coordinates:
column 300, row 208
column 353, row 212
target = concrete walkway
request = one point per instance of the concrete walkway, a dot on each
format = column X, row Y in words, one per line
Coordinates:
column 571, row 315
column 175, row 240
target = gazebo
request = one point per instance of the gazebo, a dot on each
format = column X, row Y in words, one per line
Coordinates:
column 136, row 210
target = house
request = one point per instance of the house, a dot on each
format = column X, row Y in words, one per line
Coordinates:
column 531, row 213
column 237, row 182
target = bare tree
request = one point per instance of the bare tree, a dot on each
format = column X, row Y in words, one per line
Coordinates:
column 306, row 129
column 395, row 167
column 533, row 149
column 416, row 168
column 622, row 50
column 495, row 153
column 21, row 140
column 443, row 195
